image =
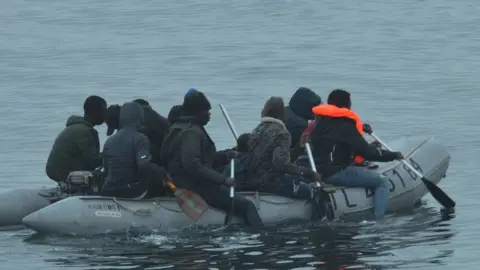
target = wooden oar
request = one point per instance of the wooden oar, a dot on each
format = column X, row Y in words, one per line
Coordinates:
column 191, row 203
column 436, row 192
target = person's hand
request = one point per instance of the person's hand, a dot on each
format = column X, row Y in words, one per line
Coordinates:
column 304, row 138
column 377, row 144
column 367, row 129
column 231, row 154
column 229, row 181
column 316, row 177
column 398, row 155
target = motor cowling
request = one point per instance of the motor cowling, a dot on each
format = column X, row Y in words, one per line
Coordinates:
column 80, row 183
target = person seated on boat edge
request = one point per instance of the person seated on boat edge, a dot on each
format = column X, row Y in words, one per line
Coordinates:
column 191, row 156
column 242, row 162
column 77, row 147
column 271, row 169
column 129, row 168
column 298, row 113
column 336, row 137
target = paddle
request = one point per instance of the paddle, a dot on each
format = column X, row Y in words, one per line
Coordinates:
column 232, row 164
column 191, row 203
column 312, row 163
column 436, row 192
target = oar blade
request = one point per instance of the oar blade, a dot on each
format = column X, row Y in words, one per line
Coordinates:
column 191, row 203
column 439, row 194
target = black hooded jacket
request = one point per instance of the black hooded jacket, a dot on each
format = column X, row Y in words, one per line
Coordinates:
column 127, row 152
column 299, row 111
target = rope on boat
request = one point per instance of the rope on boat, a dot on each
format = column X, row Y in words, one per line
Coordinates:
column 144, row 212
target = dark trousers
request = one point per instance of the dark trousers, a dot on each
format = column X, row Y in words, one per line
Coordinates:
column 292, row 187
column 219, row 197
column 151, row 186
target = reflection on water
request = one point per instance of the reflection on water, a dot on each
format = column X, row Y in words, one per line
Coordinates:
column 344, row 245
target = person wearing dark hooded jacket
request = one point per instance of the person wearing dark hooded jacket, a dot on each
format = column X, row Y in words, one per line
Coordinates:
column 271, row 169
column 299, row 112
column 155, row 126
column 191, row 156
column 129, row 168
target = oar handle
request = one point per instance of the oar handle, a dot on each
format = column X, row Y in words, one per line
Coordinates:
column 312, row 162
column 229, row 121
column 403, row 160
column 232, row 175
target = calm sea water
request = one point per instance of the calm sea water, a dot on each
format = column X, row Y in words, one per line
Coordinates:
column 412, row 67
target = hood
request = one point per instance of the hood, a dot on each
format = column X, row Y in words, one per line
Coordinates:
column 131, row 116
column 76, row 119
column 274, row 108
column 302, row 102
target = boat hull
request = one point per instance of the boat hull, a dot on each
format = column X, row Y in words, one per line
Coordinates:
column 17, row 203
column 94, row 215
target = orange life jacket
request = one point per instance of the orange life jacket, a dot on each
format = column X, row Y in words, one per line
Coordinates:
column 334, row 111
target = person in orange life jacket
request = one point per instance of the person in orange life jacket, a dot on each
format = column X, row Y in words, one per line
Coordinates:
column 336, row 137
column 271, row 169
column 191, row 156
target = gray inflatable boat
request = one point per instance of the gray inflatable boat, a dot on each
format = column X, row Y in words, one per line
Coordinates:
column 94, row 215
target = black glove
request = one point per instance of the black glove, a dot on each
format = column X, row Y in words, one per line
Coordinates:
column 229, row 181
column 398, row 155
column 367, row 128
column 316, row 177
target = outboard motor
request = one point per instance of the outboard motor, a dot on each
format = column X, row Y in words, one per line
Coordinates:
column 82, row 183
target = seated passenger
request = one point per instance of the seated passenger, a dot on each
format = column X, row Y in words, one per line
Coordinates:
column 129, row 169
column 155, row 127
column 299, row 112
column 242, row 162
column 77, row 147
column 336, row 137
column 271, row 169
column 191, row 156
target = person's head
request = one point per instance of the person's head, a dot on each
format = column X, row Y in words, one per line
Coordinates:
column 196, row 104
column 142, row 102
column 340, row 98
column 190, row 90
column 175, row 113
column 302, row 102
column 113, row 114
column 274, row 108
column 95, row 110
column 242, row 142
column 131, row 116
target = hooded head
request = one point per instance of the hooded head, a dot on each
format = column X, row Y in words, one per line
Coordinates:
column 131, row 116
column 196, row 104
column 274, row 108
column 175, row 113
column 302, row 102
column 340, row 98
column 113, row 113
column 190, row 90
column 242, row 142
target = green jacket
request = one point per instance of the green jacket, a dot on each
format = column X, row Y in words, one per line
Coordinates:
column 76, row 148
